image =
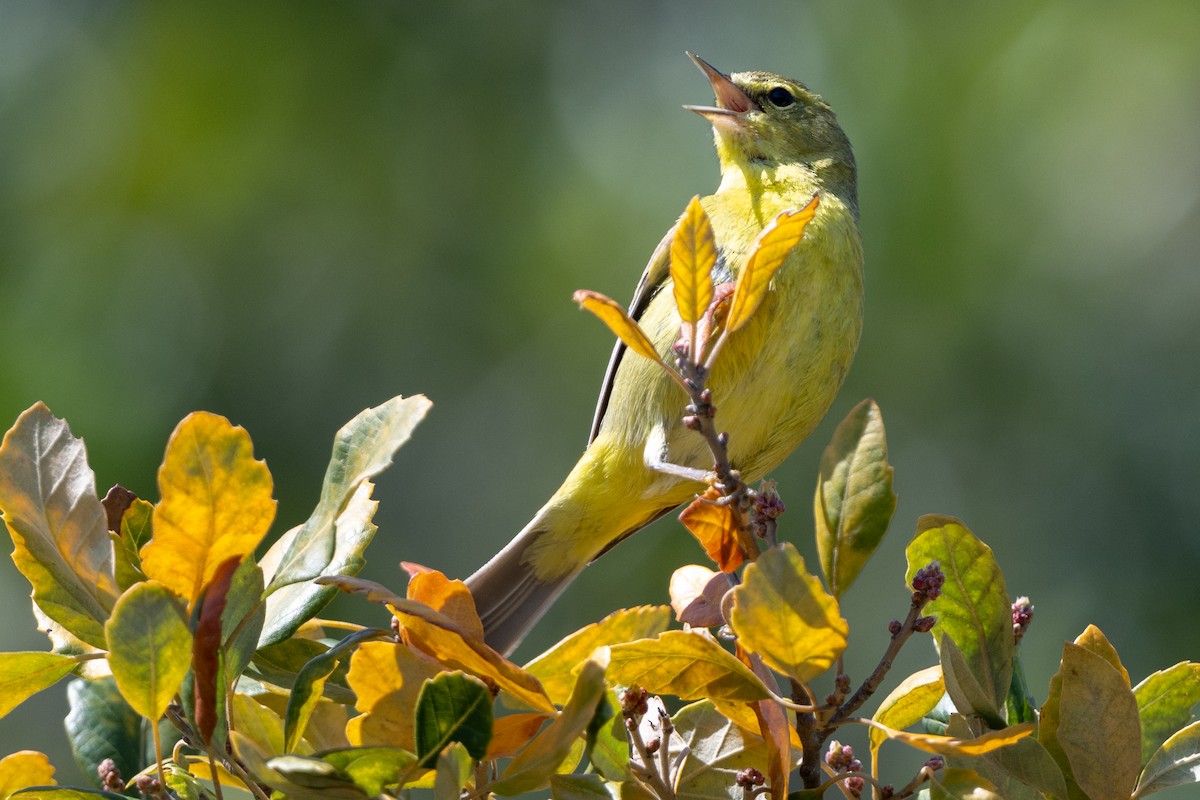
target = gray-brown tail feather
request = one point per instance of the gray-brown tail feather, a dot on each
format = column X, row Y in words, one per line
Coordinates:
column 509, row 597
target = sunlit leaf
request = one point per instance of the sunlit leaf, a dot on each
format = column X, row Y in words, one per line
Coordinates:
column 770, row 250
column 1094, row 640
column 1097, row 724
column 782, row 613
column 362, row 449
column 310, row 682
column 962, row 685
column 289, row 607
column 715, row 527
column 149, row 647
column 854, row 502
column 908, row 703
column 387, row 678
column 449, row 597
column 242, row 619
column 453, row 707
column 314, row 778
column 372, row 768
column 554, row 668
column 100, row 725
column 58, row 527
column 216, row 504
column 136, row 529
column 23, row 675
column 1023, row 770
column 512, row 732
column 716, row 750
column 693, row 256
column 1165, row 700
column 279, row 665
column 697, row 594
column 974, row 609
column 954, row 746
column 961, row 784
column 619, row 322
column 532, row 767
column 687, row 664
column 22, row 769
column 1176, row 763
column 437, row 636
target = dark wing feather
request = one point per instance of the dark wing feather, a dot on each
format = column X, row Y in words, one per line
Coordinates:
column 655, row 275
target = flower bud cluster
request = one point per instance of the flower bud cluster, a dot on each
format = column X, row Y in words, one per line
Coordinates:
column 927, row 583
column 1022, row 614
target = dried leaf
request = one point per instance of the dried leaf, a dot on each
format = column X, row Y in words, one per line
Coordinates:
column 714, row 526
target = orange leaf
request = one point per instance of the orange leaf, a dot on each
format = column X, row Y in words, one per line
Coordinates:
column 693, row 256
column 512, row 732
column 714, row 526
column 771, row 249
column 451, row 598
column 619, row 322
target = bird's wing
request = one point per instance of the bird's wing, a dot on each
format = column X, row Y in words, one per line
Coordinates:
column 656, row 273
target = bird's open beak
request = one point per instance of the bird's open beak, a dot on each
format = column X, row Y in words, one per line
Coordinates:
column 732, row 103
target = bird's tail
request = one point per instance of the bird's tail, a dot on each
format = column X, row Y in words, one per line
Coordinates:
column 509, row 595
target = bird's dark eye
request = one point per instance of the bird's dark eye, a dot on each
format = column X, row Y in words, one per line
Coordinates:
column 780, row 97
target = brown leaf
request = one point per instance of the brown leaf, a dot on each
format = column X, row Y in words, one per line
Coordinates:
column 715, row 528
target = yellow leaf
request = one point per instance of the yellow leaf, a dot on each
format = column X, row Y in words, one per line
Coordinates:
column 953, row 746
column 619, row 322
column 1093, row 639
column 714, row 526
column 687, row 664
column 216, row 504
column 555, row 667
column 909, row 702
column 782, row 613
column 386, row 678
column 771, row 249
column 693, row 256
column 24, row 769
column 437, row 636
column 451, row 598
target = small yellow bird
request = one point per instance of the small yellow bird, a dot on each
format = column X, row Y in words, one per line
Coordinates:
column 779, row 144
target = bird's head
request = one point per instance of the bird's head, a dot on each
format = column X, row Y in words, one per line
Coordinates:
column 762, row 121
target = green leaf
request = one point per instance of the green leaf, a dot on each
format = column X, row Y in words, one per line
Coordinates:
column 242, row 619
column 453, row 770
column 280, row 664
column 1165, row 700
column 554, row 668
column 100, row 725
column 715, row 750
column 315, row 779
column 783, row 614
column 855, row 502
column 1094, row 725
column 453, row 707
column 23, row 675
column 59, row 528
column 1023, row 770
column 136, row 529
column 363, row 448
column 578, row 787
column 963, row 687
column 609, row 753
column 961, row 784
column 149, row 647
column 974, row 609
column 533, row 766
column 289, row 607
column 686, row 664
column 310, row 683
column 371, row 768
column 1176, row 763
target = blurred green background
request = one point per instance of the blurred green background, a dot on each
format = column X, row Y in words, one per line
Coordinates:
column 285, row 213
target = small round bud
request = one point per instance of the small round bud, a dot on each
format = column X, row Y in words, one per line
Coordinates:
column 653, row 745
column 1022, row 614
column 110, row 776
column 723, row 439
column 633, row 701
column 691, row 422
column 935, row 763
column 928, row 582
column 842, row 682
column 706, row 396
column 924, row 624
column 680, row 348
column 887, row 792
column 855, row 786
column 148, row 785
column 750, row 777
column 895, row 627
column 840, row 756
